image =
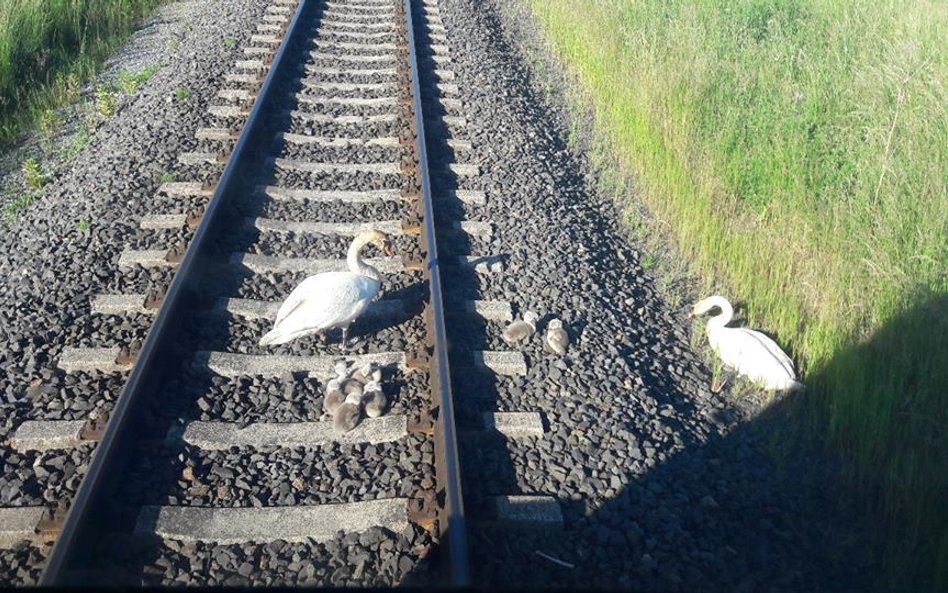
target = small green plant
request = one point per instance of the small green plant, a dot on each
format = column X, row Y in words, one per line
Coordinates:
column 49, row 122
column 106, row 100
column 78, row 142
column 13, row 209
column 83, row 225
column 650, row 262
column 181, row 93
column 146, row 74
column 33, row 171
column 166, row 177
column 230, row 42
column 129, row 83
column 68, row 87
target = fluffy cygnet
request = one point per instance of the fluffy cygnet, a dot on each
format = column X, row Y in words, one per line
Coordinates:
column 374, row 399
column 520, row 330
column 349, row 414
column 334, row 397
column 368, row 372
column 557, row 340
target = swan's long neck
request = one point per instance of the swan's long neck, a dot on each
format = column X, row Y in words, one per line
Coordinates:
column 357, row 265
column 720, row 320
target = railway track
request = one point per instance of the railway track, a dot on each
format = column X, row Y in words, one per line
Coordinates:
column 217, row 465
column 149, row 440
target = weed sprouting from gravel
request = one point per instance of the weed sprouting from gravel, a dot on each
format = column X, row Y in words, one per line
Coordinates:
column 78, row 142
column 230, row 43
column 650, row 262
column 50, row 121
column 129, row 83
column 166, row 177
column 106, row 100
column 18, row 205
column 34, row 174
column 181, row 93
column 83, row 225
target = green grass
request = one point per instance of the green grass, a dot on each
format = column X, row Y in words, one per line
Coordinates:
column 798, row 152
column 129, row 82
column 78, row 141
column 48, row 47
column 181, row 93
column 12, row 210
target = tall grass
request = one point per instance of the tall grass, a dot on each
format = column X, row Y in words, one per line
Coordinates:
column 47, row 47
column 798, row 150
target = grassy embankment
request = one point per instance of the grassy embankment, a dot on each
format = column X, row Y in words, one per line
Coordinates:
column 798, row 152
column 48, row 48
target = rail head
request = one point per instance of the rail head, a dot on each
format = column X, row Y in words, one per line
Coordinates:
column 452, row 518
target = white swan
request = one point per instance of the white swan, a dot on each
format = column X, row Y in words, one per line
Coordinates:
column 331, row 299
column 749, row 352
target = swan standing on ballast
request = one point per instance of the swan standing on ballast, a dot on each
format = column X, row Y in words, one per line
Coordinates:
column 749, row 352
column 331, row 299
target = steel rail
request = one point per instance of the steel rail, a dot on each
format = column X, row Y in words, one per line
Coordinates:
column 451, row 521
column 82, row 519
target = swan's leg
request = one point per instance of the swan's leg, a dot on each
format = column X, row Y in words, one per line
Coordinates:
column 345, row 337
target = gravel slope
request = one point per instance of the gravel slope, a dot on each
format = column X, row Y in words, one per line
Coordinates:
column 663, row 485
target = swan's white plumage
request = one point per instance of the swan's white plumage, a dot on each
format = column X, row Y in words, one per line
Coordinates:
column 324, row 301
column 750, row 353
column 328, row 300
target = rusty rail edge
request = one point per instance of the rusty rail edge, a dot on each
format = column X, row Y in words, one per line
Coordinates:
column 451, row 520
column 77, row 535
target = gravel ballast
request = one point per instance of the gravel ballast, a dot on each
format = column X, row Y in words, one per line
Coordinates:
column 64, row 249
column 265, row 265
column 663, row 484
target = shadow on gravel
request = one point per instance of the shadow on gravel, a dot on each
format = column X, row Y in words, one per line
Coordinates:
column 773, row 502
column 762, row 507
column 771, row 505
column 721, row 516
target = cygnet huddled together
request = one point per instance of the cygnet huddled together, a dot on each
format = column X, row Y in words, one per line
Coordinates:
column 350, row 394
